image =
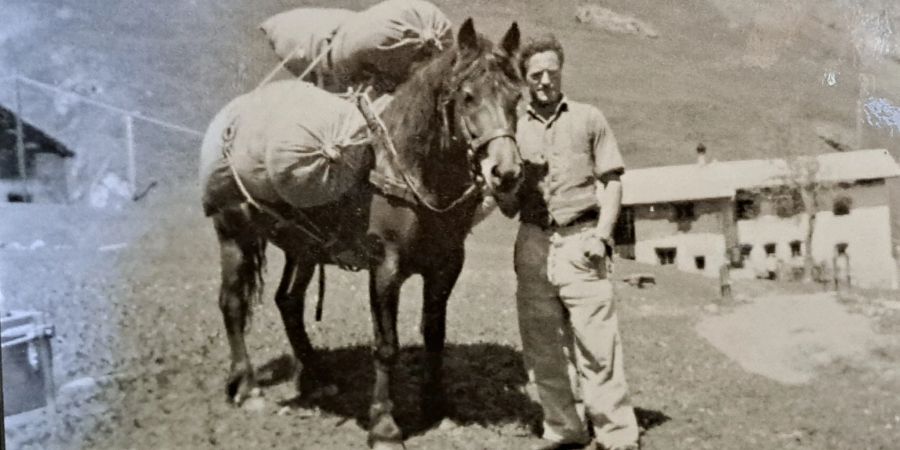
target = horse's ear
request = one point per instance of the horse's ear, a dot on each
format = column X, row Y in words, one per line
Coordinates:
column 467, row 39
column 511, row 40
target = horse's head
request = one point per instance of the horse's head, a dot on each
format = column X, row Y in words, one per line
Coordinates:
column 481, row 100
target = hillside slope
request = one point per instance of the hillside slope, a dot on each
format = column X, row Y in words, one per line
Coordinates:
column 748, row 81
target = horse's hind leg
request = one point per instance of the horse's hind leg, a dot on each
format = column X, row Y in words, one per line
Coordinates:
column 290, row 299
column 242, row 259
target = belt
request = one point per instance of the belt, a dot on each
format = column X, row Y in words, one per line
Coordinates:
column 550, row 224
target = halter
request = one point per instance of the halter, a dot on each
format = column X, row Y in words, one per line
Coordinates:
column 474, row 144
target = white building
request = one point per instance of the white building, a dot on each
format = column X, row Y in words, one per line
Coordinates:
column 688, row 215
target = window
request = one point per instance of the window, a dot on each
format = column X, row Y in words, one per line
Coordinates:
column 700, row 262
column 746, row 249
column 769, row 248
column 666, row 255
column 787, row 203
column 796, row 250
column 841, row 248
column 684, row 211
column 841, row 206
column 871, row 182
column 746, row 208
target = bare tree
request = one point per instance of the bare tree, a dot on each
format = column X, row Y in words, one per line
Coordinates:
column 803, row 178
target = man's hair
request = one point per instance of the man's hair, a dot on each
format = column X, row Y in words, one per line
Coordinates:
column 547, row 42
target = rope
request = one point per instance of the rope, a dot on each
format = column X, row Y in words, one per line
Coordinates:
column 226, row 151
column 306, row 72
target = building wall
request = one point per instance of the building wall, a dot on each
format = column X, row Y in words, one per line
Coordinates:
column 655, row 227
column 866, row 230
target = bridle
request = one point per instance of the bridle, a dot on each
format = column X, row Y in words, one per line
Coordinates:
column 475, row 145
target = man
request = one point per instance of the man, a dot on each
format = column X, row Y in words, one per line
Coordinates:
column 841, row 264
column 731, row 257
column 568, row 204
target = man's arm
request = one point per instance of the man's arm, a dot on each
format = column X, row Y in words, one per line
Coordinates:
column 608, row 168
column 609, row 197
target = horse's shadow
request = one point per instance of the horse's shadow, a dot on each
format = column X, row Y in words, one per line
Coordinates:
column 484, row 384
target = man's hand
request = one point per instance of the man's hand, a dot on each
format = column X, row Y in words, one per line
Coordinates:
column 596, row 248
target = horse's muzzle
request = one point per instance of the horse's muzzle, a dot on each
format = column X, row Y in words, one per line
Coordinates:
column 506, row 181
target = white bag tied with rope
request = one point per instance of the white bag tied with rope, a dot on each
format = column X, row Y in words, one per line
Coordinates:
column 216, row 180
column 293, row 142
column 388, row 38
column 300, row 35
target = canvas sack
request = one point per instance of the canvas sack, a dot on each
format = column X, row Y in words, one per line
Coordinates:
column 302, row 34
column 290, row 141
column 385, row 40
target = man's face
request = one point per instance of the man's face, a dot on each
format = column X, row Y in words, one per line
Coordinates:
column 544, row 77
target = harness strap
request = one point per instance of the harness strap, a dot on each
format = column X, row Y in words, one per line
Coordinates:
column 409, row 192
column 490, row 136
column 391, row 186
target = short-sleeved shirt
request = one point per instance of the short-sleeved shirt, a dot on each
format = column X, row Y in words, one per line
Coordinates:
column 564, row 157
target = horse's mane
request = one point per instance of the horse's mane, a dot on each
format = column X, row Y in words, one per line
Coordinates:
column 412, row 117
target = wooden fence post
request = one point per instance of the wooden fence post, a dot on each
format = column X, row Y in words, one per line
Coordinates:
column 20, row 138
column 129, row 142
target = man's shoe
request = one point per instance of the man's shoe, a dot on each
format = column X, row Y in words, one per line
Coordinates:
column 550, row 445
column 621, row 447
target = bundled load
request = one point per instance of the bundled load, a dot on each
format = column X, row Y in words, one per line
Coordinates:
column 288, row 141
column 301, row 35
column 385, row 40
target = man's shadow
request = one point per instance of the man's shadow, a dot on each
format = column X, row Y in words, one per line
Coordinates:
column 484, row 384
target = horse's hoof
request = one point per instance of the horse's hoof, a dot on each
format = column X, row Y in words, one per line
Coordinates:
column 388, row 445
column 240, row 388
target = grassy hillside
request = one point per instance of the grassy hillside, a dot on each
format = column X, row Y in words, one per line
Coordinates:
column 749, row 81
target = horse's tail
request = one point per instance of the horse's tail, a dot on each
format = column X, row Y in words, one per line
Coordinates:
column 257, row 263
column 243, row 262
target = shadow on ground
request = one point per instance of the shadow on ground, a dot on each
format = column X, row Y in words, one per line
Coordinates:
column 483, row 384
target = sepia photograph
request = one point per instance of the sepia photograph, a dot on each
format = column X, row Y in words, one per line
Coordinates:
column 450, row 224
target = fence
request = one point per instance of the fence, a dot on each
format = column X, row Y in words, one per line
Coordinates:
column 92, row 129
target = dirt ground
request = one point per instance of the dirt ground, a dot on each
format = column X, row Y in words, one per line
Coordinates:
column 141, row 358
column 140, row 353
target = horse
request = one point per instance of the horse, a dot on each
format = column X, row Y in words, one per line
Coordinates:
column 449, row 139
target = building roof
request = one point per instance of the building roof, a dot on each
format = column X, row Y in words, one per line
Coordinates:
column 721, row 179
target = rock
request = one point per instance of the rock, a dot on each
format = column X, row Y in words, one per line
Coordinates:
column 307, row 413
column 80, row 386
column 608, row 20
column 254, row 404
column 448, row 425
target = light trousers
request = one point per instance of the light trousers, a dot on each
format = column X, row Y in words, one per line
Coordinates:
column 570, row 337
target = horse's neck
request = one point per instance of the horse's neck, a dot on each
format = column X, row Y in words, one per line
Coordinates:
column 415, row 126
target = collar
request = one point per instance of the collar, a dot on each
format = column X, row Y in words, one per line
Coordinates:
column 562, row 106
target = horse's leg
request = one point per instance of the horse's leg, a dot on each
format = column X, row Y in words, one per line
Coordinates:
column 384, row 294
column 242, row 255
column 290, row 299
column 438, row 283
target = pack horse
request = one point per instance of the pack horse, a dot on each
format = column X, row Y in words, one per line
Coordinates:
column 448, row 139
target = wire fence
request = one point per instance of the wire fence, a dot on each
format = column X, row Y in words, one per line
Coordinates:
column 102, row 137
